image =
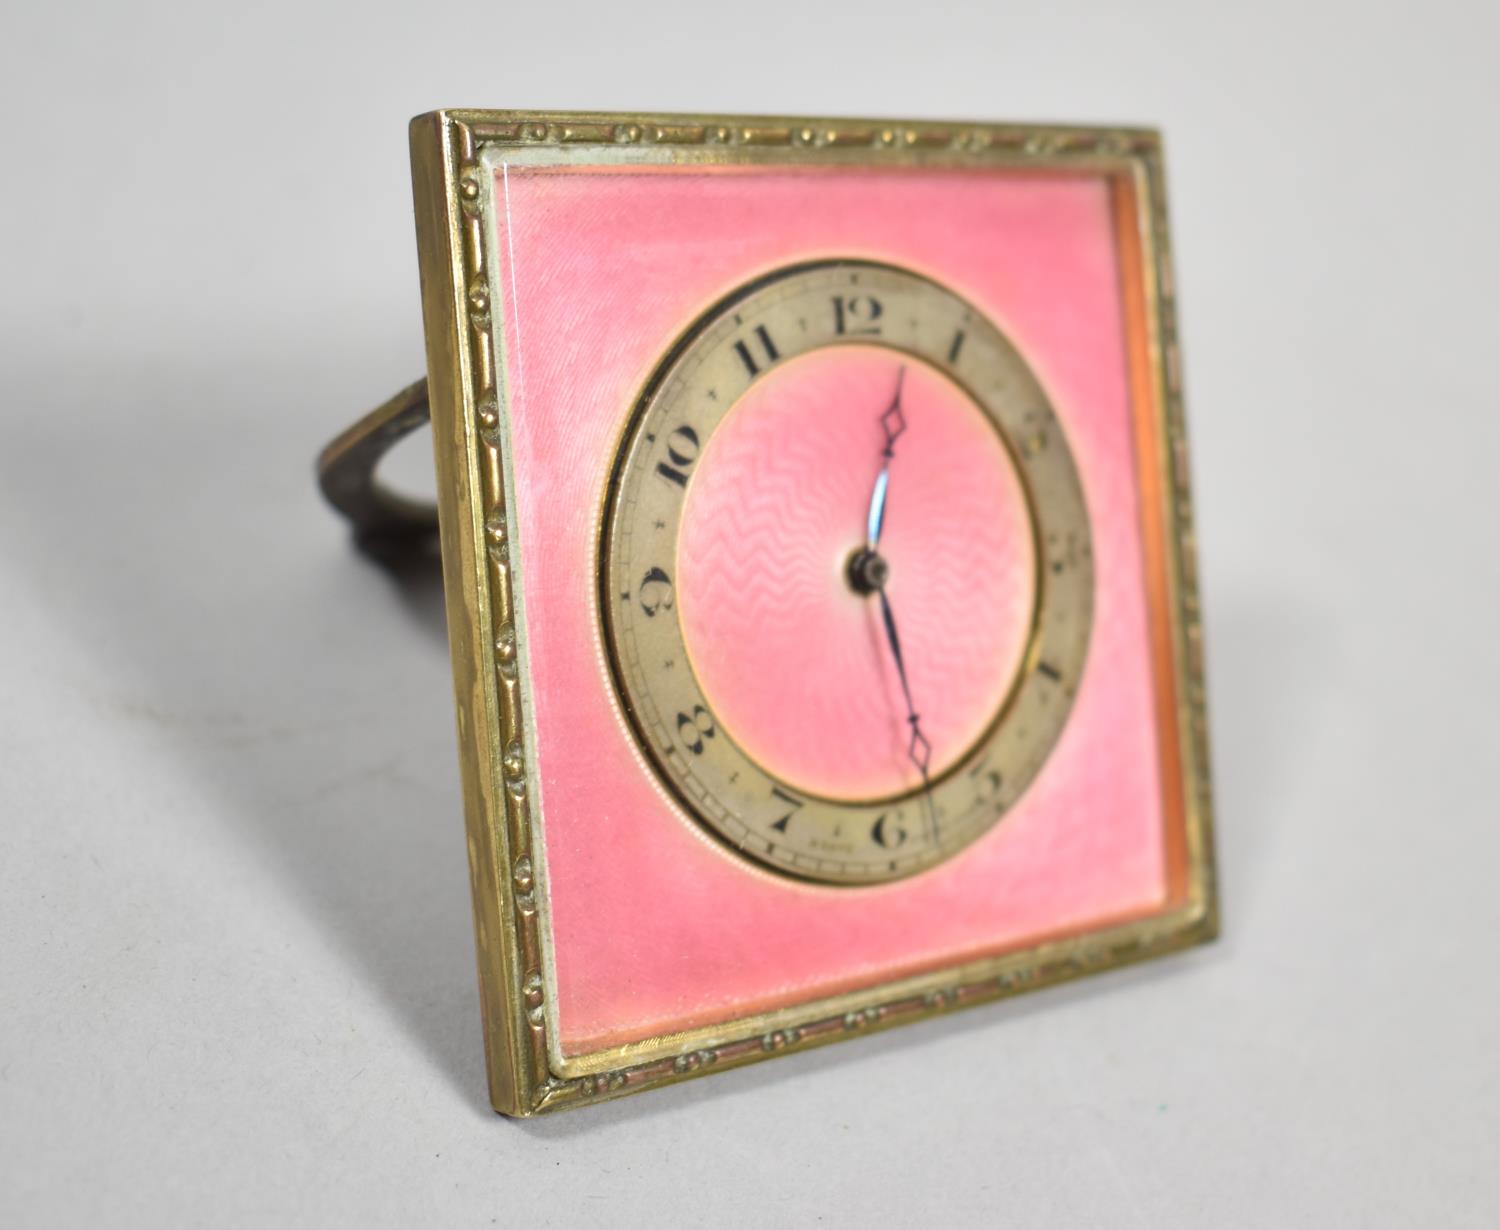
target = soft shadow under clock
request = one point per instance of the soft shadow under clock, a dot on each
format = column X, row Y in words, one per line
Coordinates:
column 219, row 612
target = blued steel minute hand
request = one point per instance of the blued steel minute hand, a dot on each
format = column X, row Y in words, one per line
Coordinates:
column 893, row 423
column 919, row 750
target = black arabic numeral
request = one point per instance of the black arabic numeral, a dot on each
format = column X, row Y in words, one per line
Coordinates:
column 693, row 728
column 747, row 357
column 655, row 592
column 682, row 451
column 796, row 806
column 987, row 782
column 886, row 834
column 855, row 315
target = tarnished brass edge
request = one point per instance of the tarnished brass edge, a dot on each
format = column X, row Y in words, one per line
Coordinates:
column 974, row 981
column 1184, row 593
column 469, row 510
column 889, row 1005
column 573, row 128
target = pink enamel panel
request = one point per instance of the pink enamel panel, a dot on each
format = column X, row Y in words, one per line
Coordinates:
column 656, row 926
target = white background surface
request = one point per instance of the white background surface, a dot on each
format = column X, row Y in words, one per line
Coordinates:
column 236, row 970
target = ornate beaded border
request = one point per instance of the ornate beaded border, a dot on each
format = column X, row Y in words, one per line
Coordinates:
column 537, row 1086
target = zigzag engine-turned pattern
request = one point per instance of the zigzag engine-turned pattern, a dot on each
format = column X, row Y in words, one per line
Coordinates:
column 791, row 658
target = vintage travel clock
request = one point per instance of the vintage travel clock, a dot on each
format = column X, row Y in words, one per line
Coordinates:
column 819, row 566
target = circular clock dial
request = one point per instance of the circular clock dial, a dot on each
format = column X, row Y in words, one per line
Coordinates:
column 846, row 577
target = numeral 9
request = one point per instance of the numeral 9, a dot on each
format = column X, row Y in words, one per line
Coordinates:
column 655, row 591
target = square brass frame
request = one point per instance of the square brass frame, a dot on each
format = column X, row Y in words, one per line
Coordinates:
column 452, row 156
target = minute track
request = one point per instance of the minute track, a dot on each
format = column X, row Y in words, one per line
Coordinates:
column 828, row 837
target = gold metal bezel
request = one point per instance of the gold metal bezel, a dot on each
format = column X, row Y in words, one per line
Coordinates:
column 1066, row 510
column 452, row 152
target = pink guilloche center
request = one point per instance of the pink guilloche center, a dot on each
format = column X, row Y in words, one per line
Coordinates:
column 793, row 661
